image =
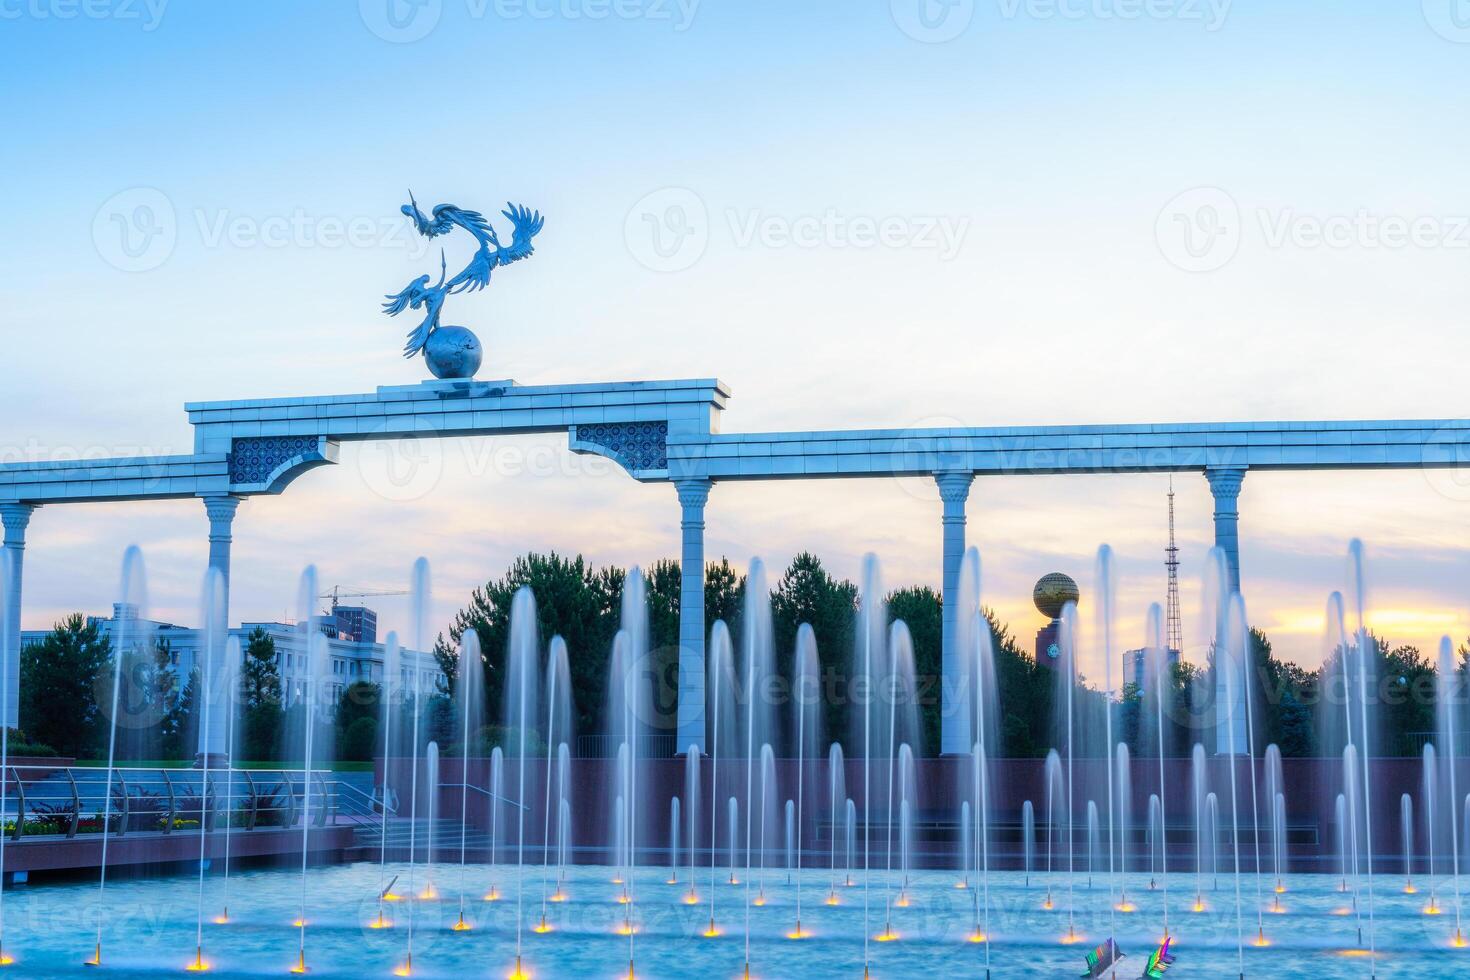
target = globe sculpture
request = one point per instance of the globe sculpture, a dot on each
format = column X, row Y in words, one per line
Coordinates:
column 453, row 352
column 1052, row 592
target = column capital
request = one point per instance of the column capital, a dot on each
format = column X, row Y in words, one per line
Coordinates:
column 954, row 487
column 1225, row 481
column 693, row 492
column 16, row 517
column 221, row 507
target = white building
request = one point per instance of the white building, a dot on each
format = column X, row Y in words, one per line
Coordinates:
column 351, row 660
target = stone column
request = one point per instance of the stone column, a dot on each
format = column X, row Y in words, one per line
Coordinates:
column 16, row 517
column 213, row 737
column 954, row 727
column 1225, row 481
column 1225, row 484
column 693, row 494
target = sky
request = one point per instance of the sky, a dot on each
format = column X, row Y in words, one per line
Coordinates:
column 1091, row 211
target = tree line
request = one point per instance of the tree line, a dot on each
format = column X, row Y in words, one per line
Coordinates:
column 66, row 678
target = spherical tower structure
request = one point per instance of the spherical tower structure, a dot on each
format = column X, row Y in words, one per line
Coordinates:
column 1052, row 593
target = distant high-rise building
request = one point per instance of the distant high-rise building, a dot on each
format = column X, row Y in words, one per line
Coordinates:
column 356, row 623
column 1138, row 671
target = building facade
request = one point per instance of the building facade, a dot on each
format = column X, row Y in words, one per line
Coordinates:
column 352, row 660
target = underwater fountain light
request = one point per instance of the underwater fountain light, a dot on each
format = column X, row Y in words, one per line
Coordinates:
column 691, row 899
column 460, row 925
column 976, row 937
column 712, row 931
column 556, row 896
column 798, row 932
column 887, row 935
column 381, row 922
column 519, row 972
column 199, row 965
column 541, row 927
column 493, row 895
column 832, row 899
column 300, row 966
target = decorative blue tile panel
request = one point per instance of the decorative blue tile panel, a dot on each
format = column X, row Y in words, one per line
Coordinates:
column 253, row 462
column 641, row 448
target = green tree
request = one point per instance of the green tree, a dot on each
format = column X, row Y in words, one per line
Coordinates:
column 921, row 609
column 573, row 600
column 724, row 593
column 58, row 689
column 179, row 730
column 358, row 708
column 807, row 593
column 261, row 711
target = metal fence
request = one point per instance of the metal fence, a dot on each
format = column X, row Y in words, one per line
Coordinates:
column 67, row 802
column 606, row 746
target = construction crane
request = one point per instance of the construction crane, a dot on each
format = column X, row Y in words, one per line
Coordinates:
column 340, row 592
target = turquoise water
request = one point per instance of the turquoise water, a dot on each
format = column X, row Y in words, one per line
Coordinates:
column 149, row 927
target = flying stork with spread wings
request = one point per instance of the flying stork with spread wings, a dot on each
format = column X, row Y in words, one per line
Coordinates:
column 525, row 223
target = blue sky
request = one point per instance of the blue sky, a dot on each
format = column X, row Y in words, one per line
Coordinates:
column 1073, row 152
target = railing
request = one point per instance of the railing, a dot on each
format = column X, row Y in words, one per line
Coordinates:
column 1414, row 743
column 79, row 800
column 606, row 746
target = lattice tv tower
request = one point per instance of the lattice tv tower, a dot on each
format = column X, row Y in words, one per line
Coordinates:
column 1171, row 562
